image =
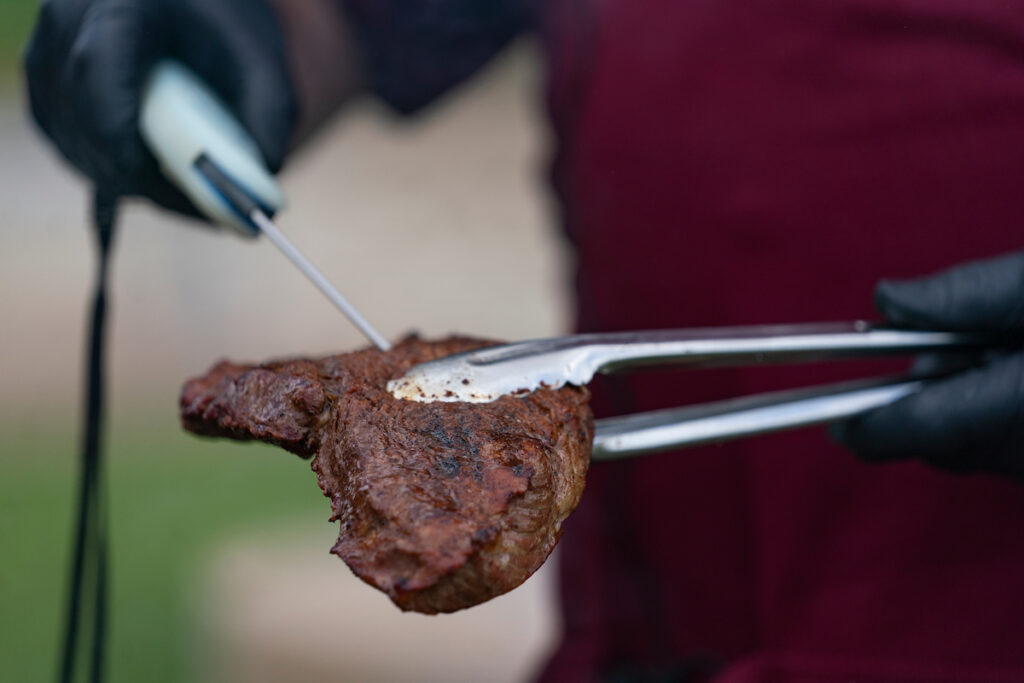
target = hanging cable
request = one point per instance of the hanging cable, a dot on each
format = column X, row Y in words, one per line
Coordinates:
column 87, row 589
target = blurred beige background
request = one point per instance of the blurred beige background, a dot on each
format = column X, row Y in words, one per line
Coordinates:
column 438, row 224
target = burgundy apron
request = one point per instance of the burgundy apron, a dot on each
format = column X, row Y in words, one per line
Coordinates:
column 728, row 162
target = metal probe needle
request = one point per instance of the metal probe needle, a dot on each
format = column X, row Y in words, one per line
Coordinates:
column 281, row 242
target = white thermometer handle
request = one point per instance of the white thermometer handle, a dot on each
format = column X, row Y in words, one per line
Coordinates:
column 181, row 119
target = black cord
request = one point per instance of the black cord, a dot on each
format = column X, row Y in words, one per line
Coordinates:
column 89, row 558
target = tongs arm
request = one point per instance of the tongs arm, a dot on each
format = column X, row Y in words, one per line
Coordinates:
column 485, row 374
column 631, row 435
column 749, row 345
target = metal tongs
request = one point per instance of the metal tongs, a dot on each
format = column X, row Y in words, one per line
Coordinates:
column 516, row 369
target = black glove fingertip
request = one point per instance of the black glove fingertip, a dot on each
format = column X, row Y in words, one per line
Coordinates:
column 272, row 129
column 903, row 303
column 268, row 108
column 841, row 433
column 852, row 435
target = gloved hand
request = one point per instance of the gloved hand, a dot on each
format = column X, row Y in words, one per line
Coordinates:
column 88, row 59
column 972, row 421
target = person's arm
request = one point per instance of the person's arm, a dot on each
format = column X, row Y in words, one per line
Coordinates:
column 973, row 421
column 415, row 50
column 407, row 52
column 323, row 59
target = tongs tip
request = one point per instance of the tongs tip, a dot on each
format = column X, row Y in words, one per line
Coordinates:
column 474, row 377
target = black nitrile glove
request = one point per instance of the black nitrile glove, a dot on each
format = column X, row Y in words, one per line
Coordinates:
column 87, row 61
column 972, row 421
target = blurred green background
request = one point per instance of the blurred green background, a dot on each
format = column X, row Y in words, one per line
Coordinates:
column 171, row 498
column 186, row 512
column 16, row 18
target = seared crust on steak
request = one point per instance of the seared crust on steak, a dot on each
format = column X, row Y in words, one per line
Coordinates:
column 442, row 505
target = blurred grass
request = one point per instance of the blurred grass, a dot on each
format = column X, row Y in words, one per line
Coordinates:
column 16, row 18
column 172, row 498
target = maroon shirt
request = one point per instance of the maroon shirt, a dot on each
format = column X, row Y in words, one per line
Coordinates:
column 727, row 162
column 767, row 161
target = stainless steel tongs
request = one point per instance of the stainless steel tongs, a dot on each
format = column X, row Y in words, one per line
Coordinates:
column 486, row 374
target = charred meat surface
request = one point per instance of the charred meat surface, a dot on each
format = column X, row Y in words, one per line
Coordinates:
column 441, row 505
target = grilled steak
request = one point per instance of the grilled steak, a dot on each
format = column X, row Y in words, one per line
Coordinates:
column 442, row 505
